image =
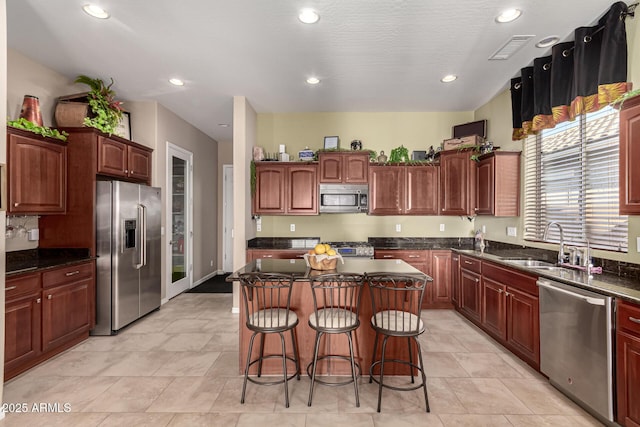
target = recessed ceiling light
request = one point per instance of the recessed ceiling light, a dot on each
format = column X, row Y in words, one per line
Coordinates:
column 313, row 80
column 448, row 78
column 95, row 11
column 308, row 16
column 548, row 41
column 508, row 15
column 176, row 82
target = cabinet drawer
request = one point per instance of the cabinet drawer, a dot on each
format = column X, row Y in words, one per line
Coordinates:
column 629, row 317
column 67, row 274
column 411, row 256
column 471, row 264
column 510, row 277
column 21, row 285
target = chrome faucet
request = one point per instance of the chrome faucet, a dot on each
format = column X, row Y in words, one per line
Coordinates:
column 561, row 250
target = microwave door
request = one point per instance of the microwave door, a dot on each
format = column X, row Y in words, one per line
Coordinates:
column 339, row 202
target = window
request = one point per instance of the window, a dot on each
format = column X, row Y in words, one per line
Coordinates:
column 571, row 177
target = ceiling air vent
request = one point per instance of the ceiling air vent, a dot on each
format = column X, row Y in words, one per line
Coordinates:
column 510, row 47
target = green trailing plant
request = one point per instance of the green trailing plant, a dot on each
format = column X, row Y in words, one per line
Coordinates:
column 253, row 178
column 627, row 95
column 373, row 155
column 475, row 149
column 25, row 124
column 106, row 110
column 399, row 155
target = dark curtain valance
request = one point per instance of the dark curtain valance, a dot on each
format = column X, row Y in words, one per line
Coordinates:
column 578, row 77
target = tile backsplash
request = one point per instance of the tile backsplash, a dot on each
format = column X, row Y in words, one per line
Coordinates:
column 16, row 232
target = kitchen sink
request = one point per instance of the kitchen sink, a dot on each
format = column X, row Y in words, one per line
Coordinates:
column 529, row 263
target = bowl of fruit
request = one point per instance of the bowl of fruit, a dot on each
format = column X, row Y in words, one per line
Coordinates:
column 323, row 257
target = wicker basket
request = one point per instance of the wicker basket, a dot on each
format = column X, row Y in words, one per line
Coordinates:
column 322, row 262
column 71, row 114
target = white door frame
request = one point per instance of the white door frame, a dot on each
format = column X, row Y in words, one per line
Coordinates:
column 182, row 285
column 227, row 218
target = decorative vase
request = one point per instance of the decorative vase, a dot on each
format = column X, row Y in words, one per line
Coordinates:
column 31, row 109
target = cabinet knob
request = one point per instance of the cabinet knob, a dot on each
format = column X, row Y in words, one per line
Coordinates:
column 15, row 205
column 475, row 209
column 506, row 294
column 442, row 209
column 39, row 300
column 477, row 280
column 49, row 296
column 500, row 291
column 126, row 171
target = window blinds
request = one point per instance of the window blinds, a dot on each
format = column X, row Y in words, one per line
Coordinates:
column 571, row 176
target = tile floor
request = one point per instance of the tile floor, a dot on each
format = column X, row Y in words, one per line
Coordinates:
column 178, row 367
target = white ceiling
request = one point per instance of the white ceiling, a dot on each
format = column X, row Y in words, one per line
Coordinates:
column 382, row 55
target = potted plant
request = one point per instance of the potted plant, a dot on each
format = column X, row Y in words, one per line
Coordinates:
column 96, row 108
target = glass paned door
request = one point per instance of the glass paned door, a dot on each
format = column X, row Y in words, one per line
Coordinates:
column 178, row 211
column 179, row 220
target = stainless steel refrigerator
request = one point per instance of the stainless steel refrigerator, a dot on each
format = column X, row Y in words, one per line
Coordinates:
column 128, row 283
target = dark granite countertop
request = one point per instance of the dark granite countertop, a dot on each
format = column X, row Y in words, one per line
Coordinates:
column 610, row 284
column 43, row 258
column 301, row 272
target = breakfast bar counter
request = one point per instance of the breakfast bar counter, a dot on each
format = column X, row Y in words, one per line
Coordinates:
column 302, row 304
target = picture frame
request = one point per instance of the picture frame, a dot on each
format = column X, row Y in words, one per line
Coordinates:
column 331, row 142
column 124, row 127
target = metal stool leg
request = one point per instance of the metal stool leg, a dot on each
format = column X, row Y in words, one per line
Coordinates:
column 261, row 354
column 284, row 370
column 384, row 350
column 410, row 358
column 373, row 357
column 246, row 367
column 353, row 369
column 296, row 355
column 424, row 376
column 314, row 366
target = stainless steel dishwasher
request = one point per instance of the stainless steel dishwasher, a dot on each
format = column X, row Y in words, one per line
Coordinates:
column 576, row 330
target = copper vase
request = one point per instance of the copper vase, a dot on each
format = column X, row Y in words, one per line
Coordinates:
column 31, row 109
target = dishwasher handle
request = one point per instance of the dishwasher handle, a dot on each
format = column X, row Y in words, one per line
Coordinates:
column 590, row 300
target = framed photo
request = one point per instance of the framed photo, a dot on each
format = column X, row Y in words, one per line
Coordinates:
column 124, row 127
column 331, row 142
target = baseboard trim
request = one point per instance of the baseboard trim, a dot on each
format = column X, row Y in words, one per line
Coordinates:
column 203, row 279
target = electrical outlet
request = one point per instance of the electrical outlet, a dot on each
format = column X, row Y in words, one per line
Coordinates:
column 484, row 228
column 398, row 227
column 258, row 227
column 441, row 227
column 211, row 263
column 292, row 227
column 512, row 231
column 638, row 244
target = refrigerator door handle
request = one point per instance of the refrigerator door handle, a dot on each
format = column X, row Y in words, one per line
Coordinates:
column 143, row 236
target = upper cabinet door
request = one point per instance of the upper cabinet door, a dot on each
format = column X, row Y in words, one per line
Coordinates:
column 386, row 190
column 112, row 157
column 344, row 167
column 302, row 190
column 37, row 175
column 269, row 197
column 457, row 183
column 330, row 168
column 630, row 157
column 422, row 184
column 356, row 168
column 139, row 163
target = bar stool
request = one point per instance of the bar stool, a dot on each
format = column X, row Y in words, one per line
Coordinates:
column 267, row 300
column 336, row 310
column 396, row 300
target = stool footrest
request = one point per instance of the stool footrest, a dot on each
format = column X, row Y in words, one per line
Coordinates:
column 334, row 383
column 376, row 377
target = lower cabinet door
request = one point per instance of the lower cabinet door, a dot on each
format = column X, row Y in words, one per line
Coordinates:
column 523, row 320
column 628, row 379
column 65, row 313
column 494, row 310
column 470, row 294
column 22, row 330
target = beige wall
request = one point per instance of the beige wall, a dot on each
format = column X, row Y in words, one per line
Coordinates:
column 498, row 112
column 172, row 129
column 377, row 131
column 3, row 161
column 225, row 157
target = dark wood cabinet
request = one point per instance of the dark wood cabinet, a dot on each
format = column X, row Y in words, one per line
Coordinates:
column 434, row 263
column 386, row 190
column 470, row 294
column 510, row 310
column 457, row 183
column 286, row 189
column 89, row 151
column 37, row 174
column 403, row 190
column 46, row 313
column 22, row 340
column 630, row 157
column 123, row 160
column 455, row 279
column 628, row 363
column 344, row 167
column 498, row 184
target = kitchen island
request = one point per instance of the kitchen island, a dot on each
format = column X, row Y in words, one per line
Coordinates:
column 302, row 304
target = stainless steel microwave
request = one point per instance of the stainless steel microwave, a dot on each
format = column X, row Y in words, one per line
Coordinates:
column 344, row 198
